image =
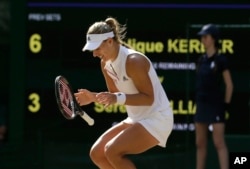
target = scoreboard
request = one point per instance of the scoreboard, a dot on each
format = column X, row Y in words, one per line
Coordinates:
column 54, row 34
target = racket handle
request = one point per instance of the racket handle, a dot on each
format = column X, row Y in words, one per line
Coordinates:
column 87, row 118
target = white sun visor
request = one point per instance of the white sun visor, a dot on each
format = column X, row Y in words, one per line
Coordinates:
column 95, row 40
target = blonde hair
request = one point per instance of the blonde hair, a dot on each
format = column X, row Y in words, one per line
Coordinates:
column 110, row 24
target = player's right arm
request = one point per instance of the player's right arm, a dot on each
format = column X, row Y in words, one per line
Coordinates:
column 85, row 97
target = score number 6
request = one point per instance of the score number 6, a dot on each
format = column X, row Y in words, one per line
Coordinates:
column 35, row 44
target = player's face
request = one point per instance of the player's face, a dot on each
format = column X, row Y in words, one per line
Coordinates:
column 207, row 41
column 103, row 51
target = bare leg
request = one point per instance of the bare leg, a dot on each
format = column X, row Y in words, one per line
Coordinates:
column 201, row 145
column 133, row 140
column 220, row 144
column 97, row 153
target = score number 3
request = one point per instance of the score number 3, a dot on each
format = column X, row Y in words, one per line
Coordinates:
column 35, row 44
column 35, row 103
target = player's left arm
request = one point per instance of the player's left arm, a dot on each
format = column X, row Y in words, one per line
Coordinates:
column 137, row 68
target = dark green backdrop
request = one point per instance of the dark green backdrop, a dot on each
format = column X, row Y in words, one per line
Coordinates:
column 46, row 41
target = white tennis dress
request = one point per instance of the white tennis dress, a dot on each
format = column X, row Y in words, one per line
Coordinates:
column 156, row 118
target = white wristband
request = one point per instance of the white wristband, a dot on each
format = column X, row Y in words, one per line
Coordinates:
column 120, row 97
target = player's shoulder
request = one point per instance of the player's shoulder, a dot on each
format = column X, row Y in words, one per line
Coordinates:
column 136, row 64
column 136, row 58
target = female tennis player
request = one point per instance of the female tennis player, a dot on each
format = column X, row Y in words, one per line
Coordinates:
column 131, row 80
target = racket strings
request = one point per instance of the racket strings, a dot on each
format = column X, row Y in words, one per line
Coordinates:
column 66, row 98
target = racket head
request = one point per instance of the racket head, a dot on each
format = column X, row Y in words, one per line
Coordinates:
column 65, row 97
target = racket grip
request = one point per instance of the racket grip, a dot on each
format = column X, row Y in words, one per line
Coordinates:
column 87, row 118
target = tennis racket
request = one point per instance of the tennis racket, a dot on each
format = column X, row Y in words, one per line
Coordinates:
column 66, row 101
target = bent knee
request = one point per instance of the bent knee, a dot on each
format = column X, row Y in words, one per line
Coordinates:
column 108, row 150
column 112, row 152
column 96, row 153
column 93, row 153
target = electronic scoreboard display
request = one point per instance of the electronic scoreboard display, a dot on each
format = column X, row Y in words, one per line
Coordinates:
column 166, row 33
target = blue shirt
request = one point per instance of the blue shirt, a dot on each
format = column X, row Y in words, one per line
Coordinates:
column 209, row 78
